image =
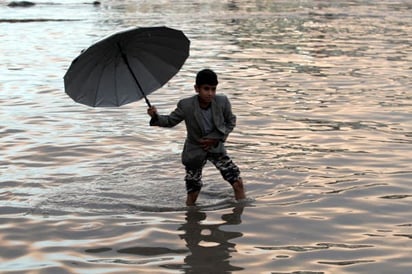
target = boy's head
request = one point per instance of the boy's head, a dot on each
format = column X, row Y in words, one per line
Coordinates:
column 206, row 77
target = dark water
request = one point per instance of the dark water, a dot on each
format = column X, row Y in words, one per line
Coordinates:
column 322, row 91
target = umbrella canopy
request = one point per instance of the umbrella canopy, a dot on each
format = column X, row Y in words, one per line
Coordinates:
column 126, row 66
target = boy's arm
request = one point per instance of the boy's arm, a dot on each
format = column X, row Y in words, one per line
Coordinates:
column 230, row 119
column 174, row 118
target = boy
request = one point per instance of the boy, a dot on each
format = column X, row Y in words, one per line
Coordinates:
column 209, row 120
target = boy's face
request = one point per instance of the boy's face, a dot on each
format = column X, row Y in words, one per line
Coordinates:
column 206, row 92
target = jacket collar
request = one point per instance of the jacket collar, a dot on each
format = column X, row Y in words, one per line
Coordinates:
column 196, row 112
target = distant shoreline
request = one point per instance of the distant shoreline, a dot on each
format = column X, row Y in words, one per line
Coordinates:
column 26, row 4
column 35, row 20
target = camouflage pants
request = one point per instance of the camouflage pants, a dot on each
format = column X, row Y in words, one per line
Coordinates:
column 228, row 169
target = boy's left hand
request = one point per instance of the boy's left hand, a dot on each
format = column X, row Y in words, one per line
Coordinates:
column 207, row 143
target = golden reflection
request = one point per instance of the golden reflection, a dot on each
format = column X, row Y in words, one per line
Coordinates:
column 210, row 246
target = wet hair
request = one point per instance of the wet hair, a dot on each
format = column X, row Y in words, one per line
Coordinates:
column 206, row 77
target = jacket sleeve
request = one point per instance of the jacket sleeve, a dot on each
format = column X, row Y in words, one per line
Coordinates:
column 174, row 118
column 229, row 118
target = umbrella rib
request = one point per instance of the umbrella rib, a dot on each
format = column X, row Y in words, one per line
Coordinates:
column 96, row 90
column 115, row 85
column 159, row 60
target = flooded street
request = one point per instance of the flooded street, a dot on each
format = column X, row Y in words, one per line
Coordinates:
column 322, row 94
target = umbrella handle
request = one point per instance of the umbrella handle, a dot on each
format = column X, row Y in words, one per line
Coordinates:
column 134, row 76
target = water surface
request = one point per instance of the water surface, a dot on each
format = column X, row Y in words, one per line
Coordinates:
column 322, row 92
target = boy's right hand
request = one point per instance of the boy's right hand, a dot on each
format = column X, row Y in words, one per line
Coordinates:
column 207, row 143
column 152, row 111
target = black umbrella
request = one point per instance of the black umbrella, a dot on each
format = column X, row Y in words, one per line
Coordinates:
column 126, row 66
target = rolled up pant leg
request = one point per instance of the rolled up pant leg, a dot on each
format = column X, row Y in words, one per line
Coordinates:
column 193, row 179
column 228, row 169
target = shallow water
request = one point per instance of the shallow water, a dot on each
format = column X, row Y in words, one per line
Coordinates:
column 322, row 91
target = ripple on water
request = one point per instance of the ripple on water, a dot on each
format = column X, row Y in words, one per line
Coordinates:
column 322, row 94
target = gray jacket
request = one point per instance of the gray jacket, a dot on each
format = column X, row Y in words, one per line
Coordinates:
column 189, row 110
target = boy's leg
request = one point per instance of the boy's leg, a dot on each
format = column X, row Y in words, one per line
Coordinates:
column 191, row 198
column 239, row 189
column 230, row 172
column 194, row 183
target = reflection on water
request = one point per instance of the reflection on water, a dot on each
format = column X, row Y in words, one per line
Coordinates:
column 322, row 94
column 210, row 246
